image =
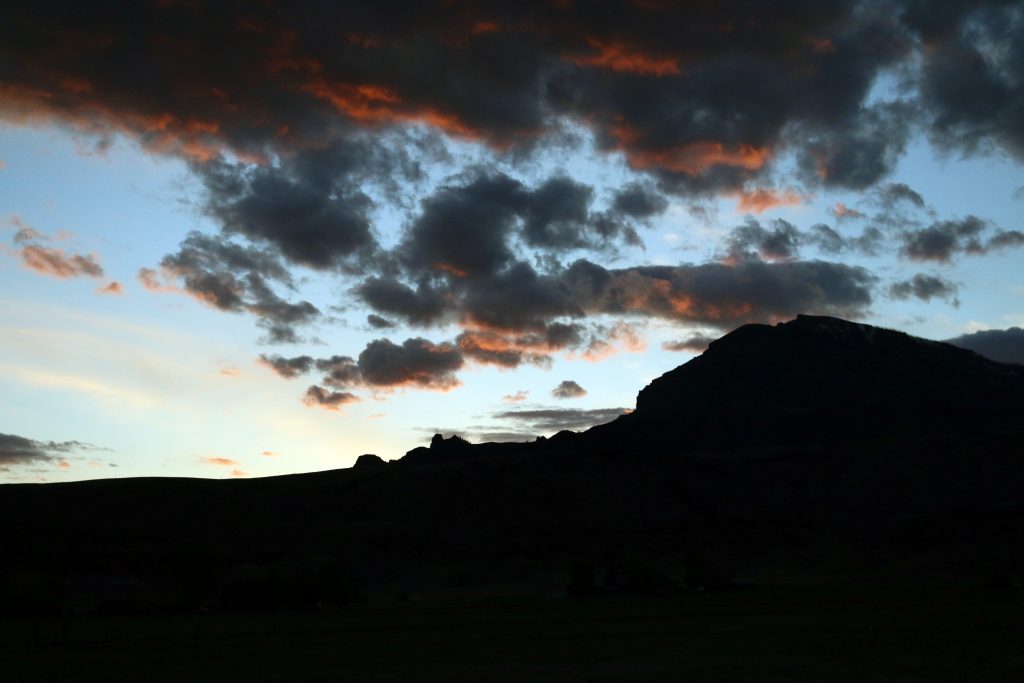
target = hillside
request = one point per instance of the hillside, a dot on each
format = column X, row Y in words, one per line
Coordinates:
column 813, row 449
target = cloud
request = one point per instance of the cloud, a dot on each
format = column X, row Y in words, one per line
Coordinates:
column 568, row 389
column 517, row 397
column 723, row 295
column 378, row 323
column 235, row 277
column 762, row 199
column 859, row 152
column 943, row 240
column 547, row 420
column 1005, row 346
column 289, row 368
column 111, row 288
column 51, row 260
column 752, row 240
column 327, row 399
column 693, row 343
column 892, row 194
column 925, row 287
column 218, row 461
column 969, row 80
column 639, row 201
column 58, row 263
column 448, row 235
column 417, row 362
column 340, row 371
column 19, row 450
column 842, row 211
column 310, row 206
column 701, row 107
column 423, row 306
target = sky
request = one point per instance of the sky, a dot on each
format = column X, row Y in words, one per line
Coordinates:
column 241, row 241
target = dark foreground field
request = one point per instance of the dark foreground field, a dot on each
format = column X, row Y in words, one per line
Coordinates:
column 818, row 633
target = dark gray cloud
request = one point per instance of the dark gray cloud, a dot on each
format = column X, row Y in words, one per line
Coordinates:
column 1005, row 346
column 378, row 323
column 723, row 295
column 317, row 396
column 692, row 343
column 288, row 368
column 312, row 210
column 518, row 299
column 463, row 230
column 547, row 420
column 340, row 371
column 925, row 287
column 422, row 306
column 568, row 389
column 690, row 94
column 781, row 241
column 827, row 239
column 639, row 201
column 416, row 362
column 235, row 277
column 891, row 194
column 382, row 364
column 830, row 241
column 557, row 214
column 18, row 450
column 467, row 230
column 943, row 240
column 1005, row 239
column 859, row 154
column 970, row 81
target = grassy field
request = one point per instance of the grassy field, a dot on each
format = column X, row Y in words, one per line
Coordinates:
column 762, row 634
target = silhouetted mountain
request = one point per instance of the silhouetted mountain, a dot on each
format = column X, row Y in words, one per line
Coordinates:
column 819, row 381
column 1005, row 346
column 813, row 448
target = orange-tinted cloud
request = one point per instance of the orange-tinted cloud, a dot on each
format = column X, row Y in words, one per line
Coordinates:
column 151, row 280
column 230, row 372
column 492, row 347
column 821, row 45
column 218, row 461
column 842, row 211
column 376, row 104
column 238, row 473
column 114, row 287
column 620, row 57
column 58, row 263
column 761, row 200
column 70, row 103
column 484, row 26
column 692, row 158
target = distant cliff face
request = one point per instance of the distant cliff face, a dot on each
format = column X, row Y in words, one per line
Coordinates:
column 816, row 379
